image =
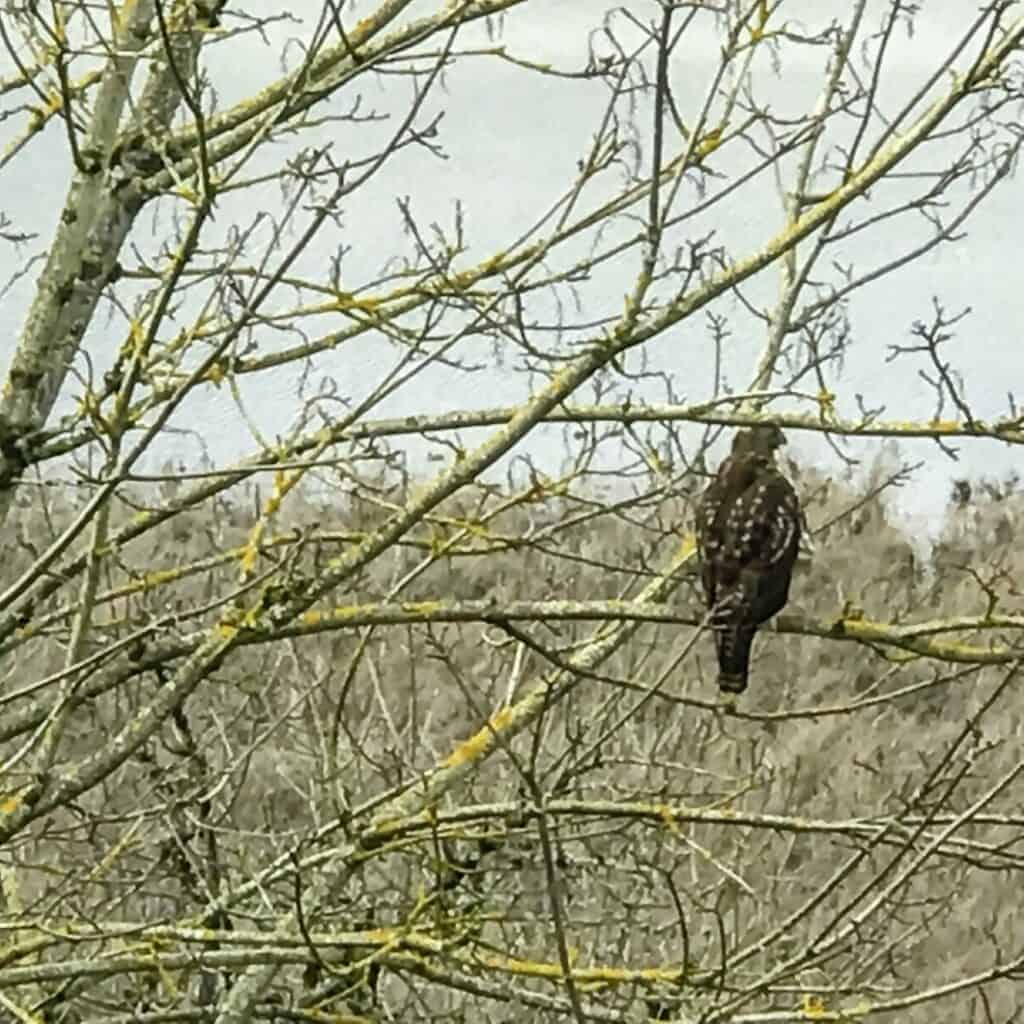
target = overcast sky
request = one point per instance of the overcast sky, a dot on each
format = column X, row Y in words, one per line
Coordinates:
column 513, row 140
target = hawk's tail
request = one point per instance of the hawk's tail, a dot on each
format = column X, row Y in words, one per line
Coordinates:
column 733, row 646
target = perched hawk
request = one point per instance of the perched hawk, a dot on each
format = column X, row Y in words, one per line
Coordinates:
column 748, row 531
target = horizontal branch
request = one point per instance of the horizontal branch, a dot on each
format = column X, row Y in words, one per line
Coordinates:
column 719, row 412
column 885, row 828
column 916, row 638
column 235, row 948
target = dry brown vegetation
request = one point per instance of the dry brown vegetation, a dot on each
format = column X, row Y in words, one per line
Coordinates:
column 378, row 713
column 864, row 753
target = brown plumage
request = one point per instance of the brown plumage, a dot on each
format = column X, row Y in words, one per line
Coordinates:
column 748, row 532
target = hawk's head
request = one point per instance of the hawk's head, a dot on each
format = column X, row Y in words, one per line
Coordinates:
column 761, row 440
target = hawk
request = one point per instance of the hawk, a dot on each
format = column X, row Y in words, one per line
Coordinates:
column 748, row 532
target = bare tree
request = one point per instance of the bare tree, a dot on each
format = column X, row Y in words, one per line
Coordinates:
column 402, row 707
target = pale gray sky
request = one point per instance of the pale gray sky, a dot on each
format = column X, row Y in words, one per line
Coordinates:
column 513, row 140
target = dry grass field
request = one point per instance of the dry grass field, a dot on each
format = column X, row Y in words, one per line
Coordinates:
column 814, row 850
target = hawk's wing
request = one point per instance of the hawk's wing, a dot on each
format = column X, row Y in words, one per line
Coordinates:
column 748, row 533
